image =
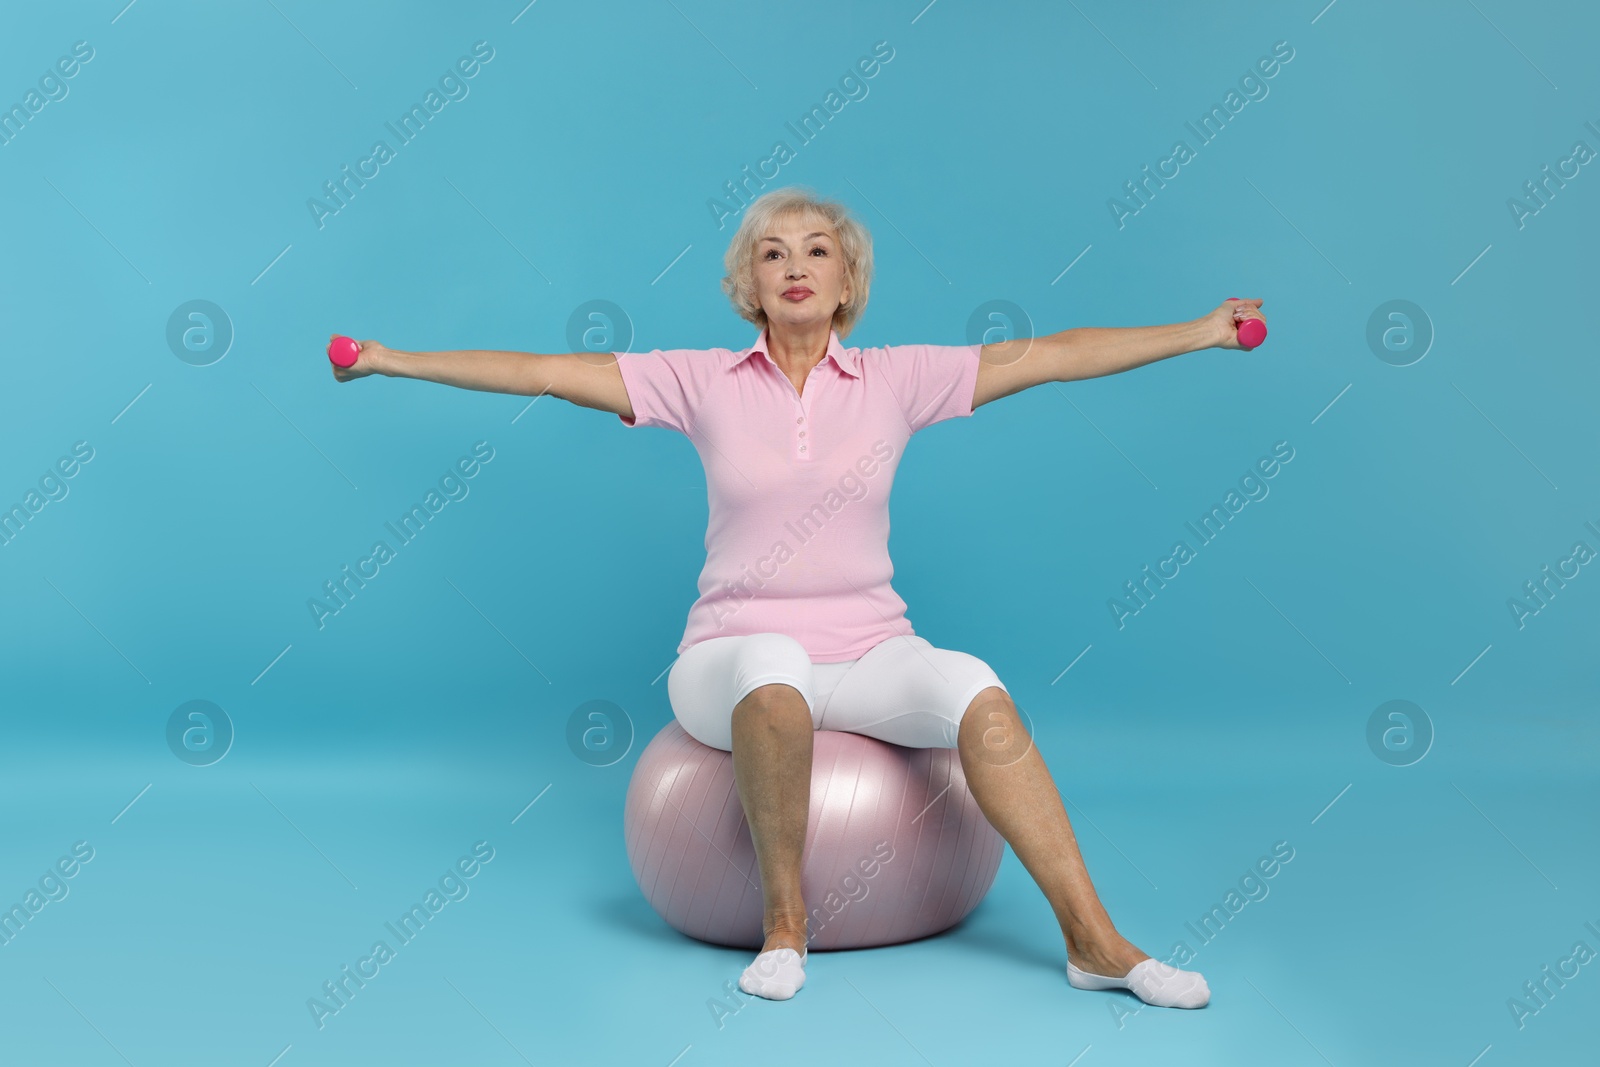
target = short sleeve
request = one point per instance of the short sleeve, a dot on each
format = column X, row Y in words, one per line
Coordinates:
column 932, row 382
column 664, row 386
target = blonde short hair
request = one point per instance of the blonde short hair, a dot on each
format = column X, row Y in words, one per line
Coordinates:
column 854, row 241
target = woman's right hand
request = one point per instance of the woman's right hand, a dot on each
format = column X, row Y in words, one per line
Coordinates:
column 368, row 361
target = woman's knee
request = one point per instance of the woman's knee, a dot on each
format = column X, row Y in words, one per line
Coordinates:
column 772, row 665
column 771, row 697
column 994, row 727
column 776, row 710
column 985, row 703
column 766, row 671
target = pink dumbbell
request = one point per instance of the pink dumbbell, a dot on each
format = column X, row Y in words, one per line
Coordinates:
column 1251, row 331
column 342, row 351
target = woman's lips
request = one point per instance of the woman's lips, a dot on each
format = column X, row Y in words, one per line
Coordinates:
column 796, row 294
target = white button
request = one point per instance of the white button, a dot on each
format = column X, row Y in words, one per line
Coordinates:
column 802, row 448
column 802, row 418
column 802, row 433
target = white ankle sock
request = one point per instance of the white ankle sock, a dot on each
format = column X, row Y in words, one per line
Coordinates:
column 1151, row 981
column 775, row 975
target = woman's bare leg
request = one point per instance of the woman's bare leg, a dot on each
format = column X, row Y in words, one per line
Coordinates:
column 1011, row 784
column 772, row 740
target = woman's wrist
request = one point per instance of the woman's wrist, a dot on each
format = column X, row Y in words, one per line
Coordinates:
column 1206, row 333
column 388, row 361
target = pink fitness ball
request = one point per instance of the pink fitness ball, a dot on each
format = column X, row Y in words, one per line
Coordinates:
column 896, row 847
column 342, row 351
column 1251, row 331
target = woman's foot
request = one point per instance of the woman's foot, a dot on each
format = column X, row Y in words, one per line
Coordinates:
column 1120, row 965
column 778, row 971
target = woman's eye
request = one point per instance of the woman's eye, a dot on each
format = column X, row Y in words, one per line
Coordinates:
column 819, row 248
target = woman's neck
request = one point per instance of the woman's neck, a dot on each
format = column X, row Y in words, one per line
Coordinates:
column 796, row 349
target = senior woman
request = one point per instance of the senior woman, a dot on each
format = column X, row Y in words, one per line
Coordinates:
column 797, row 627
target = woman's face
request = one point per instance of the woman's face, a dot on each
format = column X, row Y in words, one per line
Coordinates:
column 800, row 272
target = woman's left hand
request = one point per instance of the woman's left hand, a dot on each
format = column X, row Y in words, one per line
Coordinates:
column 1226, row 321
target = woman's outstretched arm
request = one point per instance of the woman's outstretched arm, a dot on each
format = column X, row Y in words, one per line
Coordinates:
column 1095, row 351
column 588, row 379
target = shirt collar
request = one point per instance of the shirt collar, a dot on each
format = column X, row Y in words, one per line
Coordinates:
column 836, row 350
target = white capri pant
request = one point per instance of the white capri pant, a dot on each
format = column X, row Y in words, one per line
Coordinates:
column 901, row 690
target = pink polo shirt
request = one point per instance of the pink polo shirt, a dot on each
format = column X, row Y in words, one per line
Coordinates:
column 797, row 540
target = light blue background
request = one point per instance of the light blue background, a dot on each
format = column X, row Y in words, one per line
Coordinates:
column 427, row 715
